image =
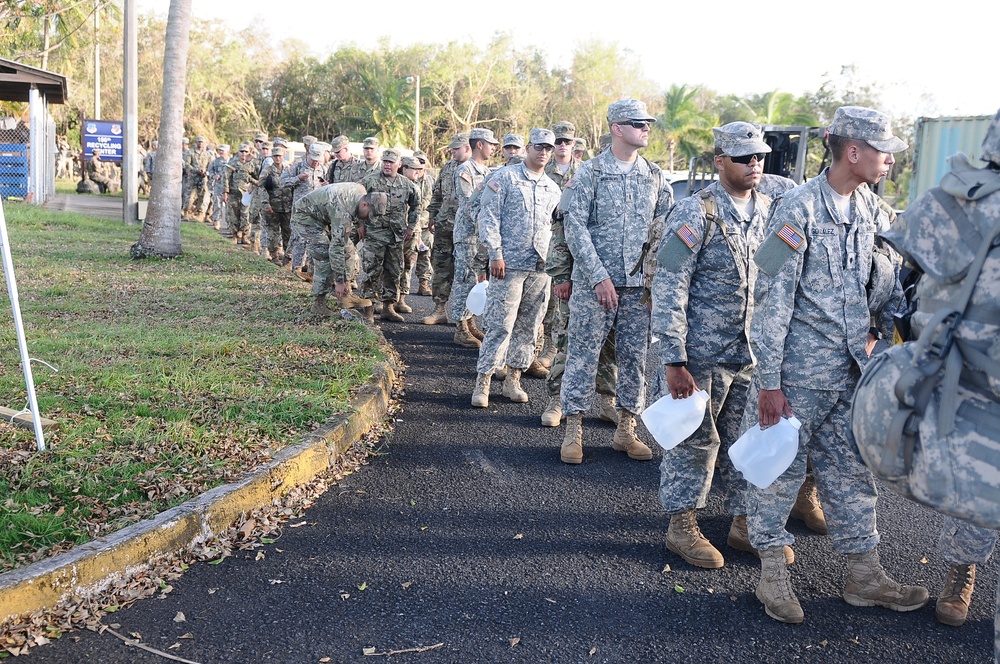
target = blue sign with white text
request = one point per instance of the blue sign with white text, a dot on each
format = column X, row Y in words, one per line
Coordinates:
column 105, row 136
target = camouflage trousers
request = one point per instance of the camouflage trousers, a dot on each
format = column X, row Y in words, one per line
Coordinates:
column 410, row 258
column 443, row 263
column 962, row 543
column 219, row 207
column 466, row 277
column 315, row 238
column 686, row 470
column 197, row 196
column 277, row 229
column 589, row 327
column 254, row 217
column 846, row 487
column 607, row 368
column 515, row 306
column 382, row 263
column 239, row 214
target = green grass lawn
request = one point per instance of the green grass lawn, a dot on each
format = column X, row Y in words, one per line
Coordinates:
column 173, row 376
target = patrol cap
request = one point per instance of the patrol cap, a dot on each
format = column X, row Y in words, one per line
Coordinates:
column 580, row 144
column 199, row 139
column 991, row 144
column 390, row 155
column 459, row 140
column 628, row 109
column 265, row 146
column 339, row 142
column 515, row 159
column 371, row 142
column 279, row 149
column 316, row 150
column 155, row 143
column 482, row 134
column 224, row 147
column 421, row 156
column 737, row 139
column 868, row 125
column 278, row 140
column 408, row 162
column 379, row 202
column 539, row 136
column 260, row 136
column 513, row 139
column 308, row 140
column 244, row 147
column 604, row 142
column 564, row 129
column 185, row 140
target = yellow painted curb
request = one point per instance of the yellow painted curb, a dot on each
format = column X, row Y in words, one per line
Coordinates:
column 91, row 567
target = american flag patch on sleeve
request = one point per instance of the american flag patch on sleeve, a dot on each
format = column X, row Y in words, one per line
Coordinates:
column 687, row 236
column 494, row 185
column 791, row 236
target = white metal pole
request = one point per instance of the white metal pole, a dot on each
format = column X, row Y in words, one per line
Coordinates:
column 15, row 305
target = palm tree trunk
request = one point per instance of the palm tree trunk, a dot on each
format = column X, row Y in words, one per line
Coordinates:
column 161, row 231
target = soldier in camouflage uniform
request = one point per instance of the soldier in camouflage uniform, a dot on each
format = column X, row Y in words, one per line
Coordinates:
column 371, row 165
column 468, row 176
column 616, row 205
column 413, row 170
column 928, row 235
column 239, row 179
column 344, row 167
column 185, row 187
column 217, row 178
column 810, row 324
column 512, row 144
column 383, row 235
column 304, row 176
column 580, row 149
column 559, row 266
column 197, row 161
column 702, row 303
column 258, row 197
column 277, row 211
column 425, row 243
column 515, row 217
column 441, row 213
column 323, row 218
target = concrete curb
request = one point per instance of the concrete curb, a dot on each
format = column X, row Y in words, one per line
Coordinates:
column 91, row 567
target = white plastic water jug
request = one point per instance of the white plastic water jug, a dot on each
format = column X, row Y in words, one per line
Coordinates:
column 246, row 198
column 673, row 420
column 476, row 302
column 763, row 455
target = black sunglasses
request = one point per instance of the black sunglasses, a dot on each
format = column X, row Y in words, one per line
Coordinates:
column 747, row 158
column 564, row 141
column 636, row 124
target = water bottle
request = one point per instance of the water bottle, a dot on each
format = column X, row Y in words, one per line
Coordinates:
column 476, row 302
column 764, row 454
column 671, row 420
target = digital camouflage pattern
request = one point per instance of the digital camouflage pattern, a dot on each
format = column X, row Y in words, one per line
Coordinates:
column 514, row 309
column 382, row 251
column 278, row 210
column 290, row 178
column 963, row 543
column 468, row 176
column 217, row 177
column 442, row 210
column 420, row 235
column 515, row 217
column 239, row 179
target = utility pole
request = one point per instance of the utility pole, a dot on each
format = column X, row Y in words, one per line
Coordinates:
column 130, row 132
column 97, row 59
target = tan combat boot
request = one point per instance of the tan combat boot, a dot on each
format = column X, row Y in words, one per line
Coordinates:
column 304, row 276
column 685, row 539
column 512, row 386
column 319, row 307
column 625, row 439
column 548, row 355
column 739, row 539
column 389, row 313
column 369, row 313
column 869, row 585
column 536, row 370
column 607, row 410
column 352, row 301
column 438, row 317
column 475, row 331
column 572, row 445
column 808, row 509
column 424, row 288
column 463, row 337
column 775, row 587
column 552, row 415
column 501, row 373
column 953, row 602
column 481, row 393
column 401, row 305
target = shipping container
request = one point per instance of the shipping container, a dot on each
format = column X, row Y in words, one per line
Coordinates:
column 939, row 138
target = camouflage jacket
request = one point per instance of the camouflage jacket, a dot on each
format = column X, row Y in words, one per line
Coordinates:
column 349, row 171
column 559, row 261
column 335, row 206
column 515, row 216
column 425, row 185
column 239, row 176
column 611, row 216
column 217, row 173
column 467, row 176
column 703, row 288
column 279, row 197
column 443, row 205
column 290, row 178
column 197, row 162
column 403, row 211
column 811, row 314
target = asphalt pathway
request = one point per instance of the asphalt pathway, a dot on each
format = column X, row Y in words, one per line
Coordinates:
column 467, row 531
